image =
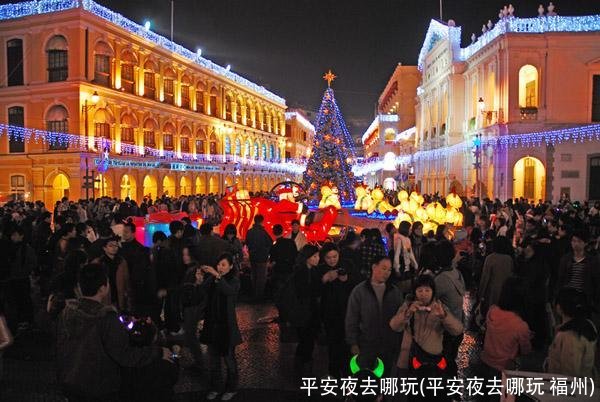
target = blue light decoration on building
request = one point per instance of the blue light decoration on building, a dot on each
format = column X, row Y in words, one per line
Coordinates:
column 506, row 24
column 35, row 7
column 255, row 150
column 575, row 135
column 271, row 152
column 333, row 152
column 80, row 143
column 264, row 151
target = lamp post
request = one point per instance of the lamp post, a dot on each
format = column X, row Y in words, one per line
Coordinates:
column 86, row 108
column 487, row 114
column 477, row 164
column 89, row 180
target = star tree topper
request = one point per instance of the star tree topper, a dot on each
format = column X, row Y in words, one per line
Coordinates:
column 329, row 77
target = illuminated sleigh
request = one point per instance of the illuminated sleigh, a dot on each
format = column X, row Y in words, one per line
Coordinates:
column 240, row 210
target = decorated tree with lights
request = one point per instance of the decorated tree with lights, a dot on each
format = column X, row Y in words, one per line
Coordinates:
column 330, row 163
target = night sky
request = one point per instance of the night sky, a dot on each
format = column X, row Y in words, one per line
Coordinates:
column 287, row 45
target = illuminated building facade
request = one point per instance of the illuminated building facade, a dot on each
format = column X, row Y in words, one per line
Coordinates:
column 514, row 114
column 299, row 135
column 391, row 133
column 83, row 86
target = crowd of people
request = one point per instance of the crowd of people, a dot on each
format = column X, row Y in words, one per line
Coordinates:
column 532, row 272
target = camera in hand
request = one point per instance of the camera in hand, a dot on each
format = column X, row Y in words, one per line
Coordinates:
column 342, row 272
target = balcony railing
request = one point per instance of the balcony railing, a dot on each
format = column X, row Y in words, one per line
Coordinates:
column 529, row 113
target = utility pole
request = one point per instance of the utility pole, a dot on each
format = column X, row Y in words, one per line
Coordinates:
column 441, row 9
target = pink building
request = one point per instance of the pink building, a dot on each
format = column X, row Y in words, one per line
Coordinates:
column 514, row 114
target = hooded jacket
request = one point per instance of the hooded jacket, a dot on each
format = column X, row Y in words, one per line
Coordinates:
column 92, row 345
column 506, row 337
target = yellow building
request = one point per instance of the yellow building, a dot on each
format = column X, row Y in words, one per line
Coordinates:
column 170, row 121
column 515, row 113
column 391, row 134
column 299, row 133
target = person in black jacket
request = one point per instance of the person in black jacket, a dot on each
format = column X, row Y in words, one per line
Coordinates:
column 259, row 243
column 307, row 286
column 221, row 332
column 208, row 247
column 193, row 301
column 281, row 260
column 21, row 261
column 338, row 278
column 92, row 344
column 141, row 277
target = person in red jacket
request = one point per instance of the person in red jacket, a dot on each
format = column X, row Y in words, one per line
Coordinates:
column 507, row 335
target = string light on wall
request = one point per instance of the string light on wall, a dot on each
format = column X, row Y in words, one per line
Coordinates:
column 80, row 142
column 527, row 140
column 507, row 23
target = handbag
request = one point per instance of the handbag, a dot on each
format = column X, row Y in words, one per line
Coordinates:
column 419, row 359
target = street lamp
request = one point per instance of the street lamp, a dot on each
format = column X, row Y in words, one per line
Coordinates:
column 477, row 164
column 87, row 107
column 488, row 114
column 89, row 180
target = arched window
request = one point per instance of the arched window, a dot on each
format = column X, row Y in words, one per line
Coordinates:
column 14, row 62
column 168, row 85
column 16, row 118
column 264, row 151
column 227, row 145
column 247, row 149
column 271, row 152
column 228, row 107
column 200, row 90
column 17, row 186
column 213, row 101
column 389, row 135
column 185, row 92
column 168, row 132
column 56, row 122
column 58, row 66
column 150, row 69
column 149, row 137
column 258, row 122
column 238, row 111
column 128, row 62
column 200, row 142
column 213, row 144
column 238, row 147
column 184, row 140
column 528, row 86
column 255, row 150
column 128, row 124
column 278, row 154
column 102, row 120
column 102, row 55
column 249, row 112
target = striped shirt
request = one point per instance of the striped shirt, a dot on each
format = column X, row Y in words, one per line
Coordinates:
column 576, row 280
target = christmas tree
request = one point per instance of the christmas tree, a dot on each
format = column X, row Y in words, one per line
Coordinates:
column 333, row 151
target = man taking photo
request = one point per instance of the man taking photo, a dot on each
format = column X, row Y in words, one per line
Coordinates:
column 93, row 344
